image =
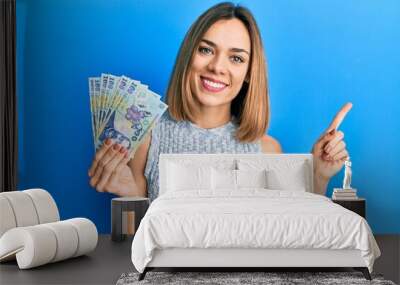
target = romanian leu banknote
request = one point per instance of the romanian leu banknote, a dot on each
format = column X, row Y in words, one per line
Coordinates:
column 123, row 110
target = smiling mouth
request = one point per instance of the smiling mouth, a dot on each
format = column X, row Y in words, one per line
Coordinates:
column 212, row 85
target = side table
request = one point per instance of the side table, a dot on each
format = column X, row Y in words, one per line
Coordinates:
column 124, row 208
column 357, row 205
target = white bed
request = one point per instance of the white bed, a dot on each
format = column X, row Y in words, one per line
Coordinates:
column 247, row 210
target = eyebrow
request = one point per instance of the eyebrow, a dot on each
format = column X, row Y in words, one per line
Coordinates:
column 232, row 49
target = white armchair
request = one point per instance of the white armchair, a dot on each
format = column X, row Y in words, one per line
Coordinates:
column 31, row 230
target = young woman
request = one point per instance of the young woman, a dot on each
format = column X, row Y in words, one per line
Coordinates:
column 218, row 103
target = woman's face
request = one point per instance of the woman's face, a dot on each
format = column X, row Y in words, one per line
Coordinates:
column 220, row 63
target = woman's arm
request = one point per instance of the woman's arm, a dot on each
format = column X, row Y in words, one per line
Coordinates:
column 137, row 165
column 320, row 184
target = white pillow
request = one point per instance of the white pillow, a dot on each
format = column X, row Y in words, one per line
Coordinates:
column 223, row 179
column 227, row 179
column 251, row 178
column 288, row 179
column 183, row 178
column 280, row 174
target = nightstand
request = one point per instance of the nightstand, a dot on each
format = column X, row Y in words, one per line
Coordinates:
column 356, row 205
column 126, row 214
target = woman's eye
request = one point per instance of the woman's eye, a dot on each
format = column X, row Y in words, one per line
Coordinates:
column 237, row 59
column 205, row 50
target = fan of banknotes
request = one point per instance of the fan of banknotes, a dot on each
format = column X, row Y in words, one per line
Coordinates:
column 123, row 110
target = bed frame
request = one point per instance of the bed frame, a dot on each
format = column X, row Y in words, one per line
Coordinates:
column 260, row 259
column 248, row 259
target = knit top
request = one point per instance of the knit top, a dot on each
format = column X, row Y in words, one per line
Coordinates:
column 171, row 136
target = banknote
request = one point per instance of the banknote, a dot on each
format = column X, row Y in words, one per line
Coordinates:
column 122, row 109
column 116, row 127
column 116, row 98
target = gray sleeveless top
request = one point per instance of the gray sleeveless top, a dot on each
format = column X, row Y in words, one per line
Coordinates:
column 170, row 136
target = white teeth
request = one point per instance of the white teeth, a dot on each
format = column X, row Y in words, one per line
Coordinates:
column 214, row 84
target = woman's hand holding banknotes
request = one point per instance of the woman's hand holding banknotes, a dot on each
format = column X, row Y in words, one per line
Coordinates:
column 110, row 172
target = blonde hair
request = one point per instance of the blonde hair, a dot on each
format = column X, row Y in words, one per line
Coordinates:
column 251, row 106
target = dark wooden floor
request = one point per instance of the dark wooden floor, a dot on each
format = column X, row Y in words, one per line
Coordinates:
column 110, row 260
column 389, row 262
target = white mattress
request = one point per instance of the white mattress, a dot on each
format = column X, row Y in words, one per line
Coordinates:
column 252, row 218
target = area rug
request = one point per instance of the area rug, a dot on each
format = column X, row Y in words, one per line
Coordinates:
column 244, row 278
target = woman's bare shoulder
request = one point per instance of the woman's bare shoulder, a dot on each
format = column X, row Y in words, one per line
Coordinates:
column 270, row 145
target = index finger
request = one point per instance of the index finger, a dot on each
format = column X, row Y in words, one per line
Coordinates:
column 337, row 120
column 99, row 154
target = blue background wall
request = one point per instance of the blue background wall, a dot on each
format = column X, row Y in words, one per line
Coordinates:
column 321, row 54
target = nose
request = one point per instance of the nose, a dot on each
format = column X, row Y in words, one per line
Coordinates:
column 218, row 65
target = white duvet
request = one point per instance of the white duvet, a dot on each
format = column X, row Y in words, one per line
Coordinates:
column 252, row 218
